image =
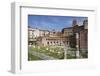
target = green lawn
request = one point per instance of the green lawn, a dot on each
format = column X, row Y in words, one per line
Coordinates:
column 32, row 57
column 55, row 52
column 70, row 56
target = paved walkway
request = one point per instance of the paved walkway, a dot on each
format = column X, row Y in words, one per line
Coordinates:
column 42, row 55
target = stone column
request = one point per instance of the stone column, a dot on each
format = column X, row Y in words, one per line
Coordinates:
column 77, row 45
column 65, row 51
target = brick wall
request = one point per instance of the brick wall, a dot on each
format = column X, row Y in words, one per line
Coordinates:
column 84, row 39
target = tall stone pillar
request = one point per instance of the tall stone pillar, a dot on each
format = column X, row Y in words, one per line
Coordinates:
column 65, row 51
column 77, row 45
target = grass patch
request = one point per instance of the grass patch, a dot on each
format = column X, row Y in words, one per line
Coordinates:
column 55, row 52
column 32, row 57
column 70, row 57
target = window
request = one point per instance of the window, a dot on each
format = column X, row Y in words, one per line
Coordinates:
column 48, row 43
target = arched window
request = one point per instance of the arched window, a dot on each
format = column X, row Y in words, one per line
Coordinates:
column 48, row 43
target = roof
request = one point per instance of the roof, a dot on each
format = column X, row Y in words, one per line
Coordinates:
column 66, row 28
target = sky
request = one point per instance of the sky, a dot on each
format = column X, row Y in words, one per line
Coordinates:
column 50, row 23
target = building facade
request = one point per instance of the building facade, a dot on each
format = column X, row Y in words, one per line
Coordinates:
column 67, row 36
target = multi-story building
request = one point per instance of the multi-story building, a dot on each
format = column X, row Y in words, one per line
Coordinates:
column 31, row 37
column 67, row 31
column 52, row 41
column 81, row 42
column 84, row 36
column 34, row 34
column 67, row 36
column 74, row 37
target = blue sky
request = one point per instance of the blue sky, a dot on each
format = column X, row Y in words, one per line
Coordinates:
column 50, row 23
